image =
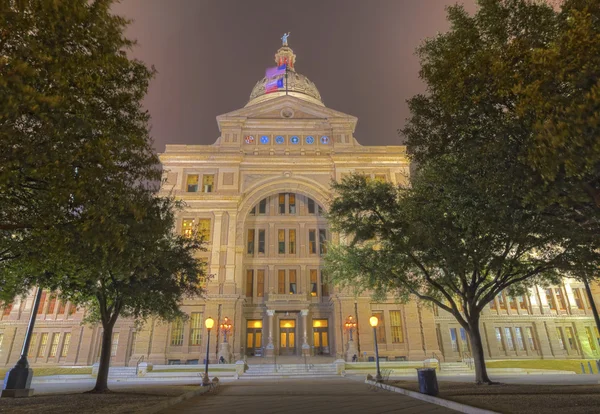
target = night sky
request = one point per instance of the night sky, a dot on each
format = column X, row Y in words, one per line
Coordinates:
column 210, row 53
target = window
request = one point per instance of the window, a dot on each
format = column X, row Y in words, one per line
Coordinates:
column 262, row 206
column 322, row 241
column 72, row 308
column 261, row 241
column 380, row 327
column 509, row 339
column 250, row 241
column 571, row 338
column 65, row 347
column 324, row 286
column 62, row 307
column 32, row 344
column 260, row 283
column 208, row 183
column 499, row 339
column 292, row 276
column 51, row 305
column 519, row 335
column 311, row 206
column 501, row 301
column 454, row 339
column 42, row 303
column 561, row 298
column 196, row 328
column 177, row 333
column 522, row 302
column 192, row 183
column 54, row 344
column 187, row 227
column 396, row 323
column 559, row 337
column 7, row 309
column 249, row 283
column 312, row 241
column 282, row 203
column 550, row 299
column 464, row 340
column 590, row 337
column 530, row 338
column 281, row 241
column 380, row 178
column 43, row 344
column 204, row 228
column 281, row 281
column 292, row 203
column 513, row 303
column 292, row 241
column 114, row 344
column 313, row 282
column 578, row 298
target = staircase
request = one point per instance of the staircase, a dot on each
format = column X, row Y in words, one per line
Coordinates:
column 454, row 368
column 122, row 372
column 290, row 370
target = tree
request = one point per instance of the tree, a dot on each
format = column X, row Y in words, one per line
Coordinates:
column 132, row 265
column 71, row 119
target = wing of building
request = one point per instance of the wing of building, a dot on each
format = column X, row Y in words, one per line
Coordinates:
column 259, row 194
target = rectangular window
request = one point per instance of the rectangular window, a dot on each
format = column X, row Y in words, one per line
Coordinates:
column 7, row 309
column 312, row 241
column 281, row 281
column 559, row 337
column 262, row 206
column 590, row 337
column 454, row 339
column 261, row 241
column 396, row 324
column 313, row 282
column 550, row 299
column 62, row 307
column 51, row 305
column 192, row 183
column 578, row 298
column 32, row 344
column 522, row 302
column 561, row 298
column 195, row 328
column 324, row 285
column 43, row 344
column 292, row 241
column 42, row 303
column 322, row 241
column 499, row 339
column 380, row 178
column 250, row 241
column 65, row 346
column 464, row 340
column 519, row 335
column 177, row 333
column 260, row 283
column 292, row 203
column 204, row 228
column 72, row 308
column 54, row 344
column 282, row 203
column 311, row 206
column 513, row 303
column 281, row 241
column 187, row 227
column 249, row 283
column 292, row 276
column 530, row 338
column 380, row 327
column 571, row 338
column 509, row 339
column 114, row 344
column 208, row 183
column 501, row 301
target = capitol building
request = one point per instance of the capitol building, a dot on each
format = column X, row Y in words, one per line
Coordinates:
column 259, row 194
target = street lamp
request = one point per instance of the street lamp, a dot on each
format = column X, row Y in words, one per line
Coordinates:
column 350, row 325
column 374, row 322
column 209, row 323
column 225, row 328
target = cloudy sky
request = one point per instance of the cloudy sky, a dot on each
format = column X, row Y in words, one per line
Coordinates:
column 210, row 53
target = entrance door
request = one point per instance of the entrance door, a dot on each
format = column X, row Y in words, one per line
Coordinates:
column 254, row 338
column 321, row 336
column 287, row 337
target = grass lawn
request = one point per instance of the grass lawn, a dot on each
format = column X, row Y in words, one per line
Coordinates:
column 557, row 364
column 519, row 398
column 44, row 372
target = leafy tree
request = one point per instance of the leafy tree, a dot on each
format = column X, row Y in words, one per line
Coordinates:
column 71, row 120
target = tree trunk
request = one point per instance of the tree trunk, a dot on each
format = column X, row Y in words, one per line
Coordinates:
column 481, row 376
column 592, row 303
column 102, row 378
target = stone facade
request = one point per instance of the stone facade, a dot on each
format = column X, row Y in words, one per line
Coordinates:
column 259, row 193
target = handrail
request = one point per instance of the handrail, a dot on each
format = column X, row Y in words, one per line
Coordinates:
column 139, row 361
column 435, row 356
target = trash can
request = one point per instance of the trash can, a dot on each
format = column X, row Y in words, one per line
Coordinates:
column 427, row 381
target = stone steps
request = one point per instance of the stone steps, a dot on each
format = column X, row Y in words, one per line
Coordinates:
column 291, row 370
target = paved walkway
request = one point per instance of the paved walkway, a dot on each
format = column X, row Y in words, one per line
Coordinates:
column 314, row 396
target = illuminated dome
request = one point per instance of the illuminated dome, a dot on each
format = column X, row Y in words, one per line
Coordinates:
column 297, row 85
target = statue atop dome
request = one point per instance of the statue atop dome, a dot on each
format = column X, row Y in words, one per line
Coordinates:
column 284, row 38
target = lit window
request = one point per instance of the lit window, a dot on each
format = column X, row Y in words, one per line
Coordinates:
column 65, row 347
column 292, row 241
column 250, row 241
column 261, row 241
column 208, row 182
column 292, row 203
column 43, row 343
column 177, row 333
column 281, row 281
column 260, row 283
column 54, row 345
column 204, row 228
column 396, row 324
column 282, row 203
column 187, row 227
column 196, row 328
column 292, row 276
column 312, row 241
column 192, row 183
column 519, row 335
column 249, row 283
column 32, row 344
column 114, row 344
column 281, row 241
column 313, row 282
column 322, row 241
column 380, row 178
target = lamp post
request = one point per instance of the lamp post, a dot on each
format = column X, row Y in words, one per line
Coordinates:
column 374, row 322
column 351, row 352
column 350, row 326
column 209, row 323
column 224, row 354
column 225, row 328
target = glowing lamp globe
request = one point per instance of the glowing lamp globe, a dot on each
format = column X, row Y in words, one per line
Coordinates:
column 373, row 321
column 209, row 323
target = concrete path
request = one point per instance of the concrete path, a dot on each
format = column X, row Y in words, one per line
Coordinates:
column 314, row 396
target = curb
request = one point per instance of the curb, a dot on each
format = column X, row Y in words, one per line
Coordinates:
column 433, row 400
column 172, row 401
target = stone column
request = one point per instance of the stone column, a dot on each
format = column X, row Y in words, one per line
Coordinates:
column 544, row 301
column 305, row 346
column 270, row 347
column 216, row 246
column 571, row 303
